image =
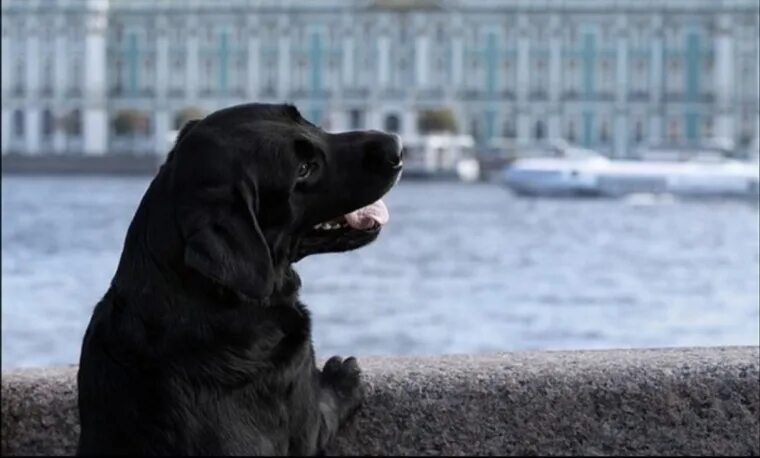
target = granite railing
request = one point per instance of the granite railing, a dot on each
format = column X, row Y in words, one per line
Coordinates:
column 685, row 401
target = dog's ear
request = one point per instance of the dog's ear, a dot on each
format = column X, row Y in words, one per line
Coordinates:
column 223, row 240
column 182, row 133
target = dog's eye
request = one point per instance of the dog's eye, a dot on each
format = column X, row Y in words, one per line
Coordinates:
column 305, row 169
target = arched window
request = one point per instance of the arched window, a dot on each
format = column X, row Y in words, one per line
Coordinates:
column 18, row 123
column 356, row 119
column 392, row 123
column 638, row 135
column 539, row 130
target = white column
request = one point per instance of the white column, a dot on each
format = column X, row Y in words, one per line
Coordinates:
column 384, row 50
column 457, row 60
column 408, row 124
column 555, row 60
column 755, row 145
column 32, row 129
column 621, row 135
column 59, row 84
column 554, row 125
column 192, row 68
column 5, row 125
column 555, row 80
column 656, row 83
column 254, row 66
column 162, row 59
column 31, row 109
column 59, row 134
column 422, row 58
column 161, row 124
column 724, row 78
column 620, row 147
column 338, row 120
column 374, row 119
column 60, row 61
column 523, row 75
column 348, row 62
column 457, row 52
column 32, row 61
column 757, row 76
column 5, row 66
column 283, row 66
column 95, row 123
column 161, row 131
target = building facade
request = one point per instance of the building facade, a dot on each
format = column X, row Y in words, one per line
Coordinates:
column 612, row 75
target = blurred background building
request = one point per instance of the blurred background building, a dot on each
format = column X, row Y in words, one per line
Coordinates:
column 98, row 77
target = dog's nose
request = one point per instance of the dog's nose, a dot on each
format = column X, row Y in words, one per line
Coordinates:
column 395, row 151
column 383, row 151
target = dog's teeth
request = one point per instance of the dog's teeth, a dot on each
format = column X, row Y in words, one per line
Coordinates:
column 329, row 226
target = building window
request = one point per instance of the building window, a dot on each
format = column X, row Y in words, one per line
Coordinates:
column 507, row 78
column 440, row 33
column 673, row 131
column 571, row 85
column 47, row 123
column 207, row 75
column 606, row 75
column 392, row 123
column 238, row 76
column 356, row 119
column 76, row 74
column 539, row 130
column 118, row 80
column 402, row 72
column 509, row 129
column 475, row 128
column 638, row 134
column 75, row 123
column 301, row 74
column 538, row 78
column 604, row 134
column 708, row 128
column 19, row 76
column 570, row 131
column 47, row 77
column 18, row 123
column 147, row 81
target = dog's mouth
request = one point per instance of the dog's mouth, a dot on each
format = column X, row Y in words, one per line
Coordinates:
column 369, row 218
column 344, row 233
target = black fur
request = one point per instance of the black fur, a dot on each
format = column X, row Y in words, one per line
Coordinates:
column 200, row 346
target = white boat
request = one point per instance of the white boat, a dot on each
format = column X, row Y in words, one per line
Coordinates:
column 440, row 156
column 595, row 175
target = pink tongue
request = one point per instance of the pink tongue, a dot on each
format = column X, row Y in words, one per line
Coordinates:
column 366, row 217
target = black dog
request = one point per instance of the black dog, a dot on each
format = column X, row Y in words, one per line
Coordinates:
column 200, row 346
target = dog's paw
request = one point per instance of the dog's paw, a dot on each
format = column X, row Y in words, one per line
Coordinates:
column 343, row 377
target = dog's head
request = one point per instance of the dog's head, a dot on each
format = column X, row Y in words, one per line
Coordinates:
column 256, row 186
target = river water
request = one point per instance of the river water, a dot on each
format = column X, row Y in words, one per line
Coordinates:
column 460, row 268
